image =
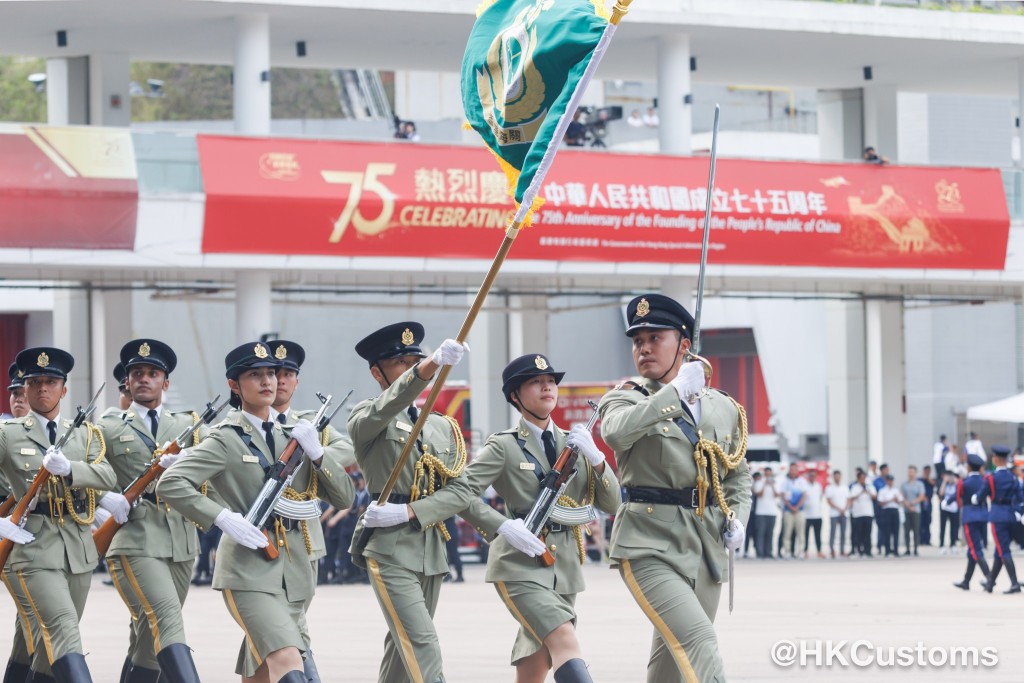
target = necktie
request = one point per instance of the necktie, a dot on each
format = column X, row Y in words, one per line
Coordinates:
column 413, row 414
column 154, row 421
column 51, row 430
column 549, row 447
column 268, row 431
column 282, row 418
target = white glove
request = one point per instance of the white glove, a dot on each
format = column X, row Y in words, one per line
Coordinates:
column 55, row 462
column 581, row 438
column 520, row 538
column 168, row 459
column 241, row 531
column 117, row 505
column 690, row 381
column 388, row 514
column 309, row 439
column 450, row 352
column 974, row 499
column 12, row 531
column 1020, row 517
column 734, row 538
column 100, row 517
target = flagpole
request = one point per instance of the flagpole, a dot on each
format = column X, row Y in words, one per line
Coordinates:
column 618, row 12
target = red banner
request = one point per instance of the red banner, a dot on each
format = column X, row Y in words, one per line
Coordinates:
column 67, row 188
column 407, row 199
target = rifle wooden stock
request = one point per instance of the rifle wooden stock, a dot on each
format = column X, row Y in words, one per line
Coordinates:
column 270, row 550
column 21, row 509
column 5, row 507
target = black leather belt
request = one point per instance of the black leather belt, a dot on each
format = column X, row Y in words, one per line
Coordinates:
column 686, row 497
column 287, row 523
column 151, row 497
column 43, row 507
column 552, row 527
column 396, row 498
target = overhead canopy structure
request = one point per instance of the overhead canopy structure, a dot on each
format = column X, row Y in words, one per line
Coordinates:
column 1005, row 410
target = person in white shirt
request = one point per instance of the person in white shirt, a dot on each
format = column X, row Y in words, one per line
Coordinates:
column 862, row 509
column 812, row 512
column 767, row 492
column 949, row 512
column 635, row 120
column 939, row 451
column 975, row 447
column 951, row 462
column 794, row 489
column 838, row 498
column 651, row 119
column 890, row 499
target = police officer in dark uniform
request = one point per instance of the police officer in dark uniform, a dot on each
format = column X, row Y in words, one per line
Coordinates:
column 1001, row 487
column 975, row 514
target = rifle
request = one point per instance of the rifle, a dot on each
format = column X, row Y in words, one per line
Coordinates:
column 5, row 507
column 551, row 488
column 133, row 492
column 280, row 476
column 21, row 510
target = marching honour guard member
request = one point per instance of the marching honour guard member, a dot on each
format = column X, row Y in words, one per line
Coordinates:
column 680, row 448
column 540, row 597
column 267, row 598
column 50, row 567
column 406, row 566
column 1004, row 512
column 974, row 511
column 151, row 556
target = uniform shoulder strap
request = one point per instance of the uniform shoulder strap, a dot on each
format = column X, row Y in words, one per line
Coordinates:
column 630, row 384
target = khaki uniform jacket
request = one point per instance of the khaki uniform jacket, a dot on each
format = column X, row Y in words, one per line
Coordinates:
column 152, row 530
column 234, row 471
column 651, row 450
column 23, row 443
column 342, row 447
column 503, row 464
column 379, row 428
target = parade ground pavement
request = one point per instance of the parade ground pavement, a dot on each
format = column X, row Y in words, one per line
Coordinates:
column 876, row 605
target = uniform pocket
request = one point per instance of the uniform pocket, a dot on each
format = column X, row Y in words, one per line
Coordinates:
column 645, row 525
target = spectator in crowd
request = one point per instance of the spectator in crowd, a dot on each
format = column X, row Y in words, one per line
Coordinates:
column 872, row 157
column 926, row 505
column 913, row 493
column 953, row 461
column 973, row 446
column 838, row 498
column 202, row 575
column 890, row 499
column 347, row 571
column 452, row 549
column 949, row 512
column 575, row 134
column 635, row 120
column 794, row 489
column 939, row 451
column 812, row 512
column 651, row 119
column 862, row 509
column 752, row 523
column 879, row 483
column 767, row 493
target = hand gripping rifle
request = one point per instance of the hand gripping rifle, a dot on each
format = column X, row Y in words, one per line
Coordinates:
column 134, row 491
column 280, row 476
column 546, row 506
column 28, row 501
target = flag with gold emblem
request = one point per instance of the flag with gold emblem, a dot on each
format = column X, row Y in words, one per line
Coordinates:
column 524, row 72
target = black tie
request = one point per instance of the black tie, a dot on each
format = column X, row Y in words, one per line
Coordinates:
column 154, row 421
column 413, row 414
column 282, row 418
column 268, row 430
column 51, row 430
column 549, row 448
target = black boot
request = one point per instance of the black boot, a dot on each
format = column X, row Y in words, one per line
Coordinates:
column 1011, row 570
column 966, row 583
column 126, row 670
column 997, row 565
column 295, row 676
column 985, row 571
column 71, row 668
column 573, row 671
column 17, row 673
column 176, row 664
column 309, row 668
column 140, row 675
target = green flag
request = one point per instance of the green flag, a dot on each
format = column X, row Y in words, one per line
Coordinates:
column 524, row 71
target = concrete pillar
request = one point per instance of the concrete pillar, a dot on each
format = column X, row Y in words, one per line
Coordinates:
column 675, row 115
column 67, row 91
column 110, row 329
column 109, row 100
column 72, row 332
column 252, row 305
column 881, row 119
column 841, row 124
column 489, row 343
column 528, row 326
column 886, row 410
column 428, row 95
column 1020, row 112
column 846, row 386
column 252, row 66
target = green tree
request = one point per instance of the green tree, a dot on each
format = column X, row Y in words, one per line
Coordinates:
column 19, row 100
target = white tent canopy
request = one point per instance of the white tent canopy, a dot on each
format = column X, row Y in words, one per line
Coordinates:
column 1005, row 410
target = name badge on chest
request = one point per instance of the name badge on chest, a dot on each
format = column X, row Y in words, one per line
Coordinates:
column 527, row 466
column 28, row 451
column 250, row 458
column 127, row 437
column 404, row 427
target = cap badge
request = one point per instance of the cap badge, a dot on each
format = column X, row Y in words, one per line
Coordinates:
column 260, row 351
column 643, row 308
column 281, row 352
column 21, row 373
column 540, row 363
column 144, row 350
column 407, row 337
column 43, row 360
